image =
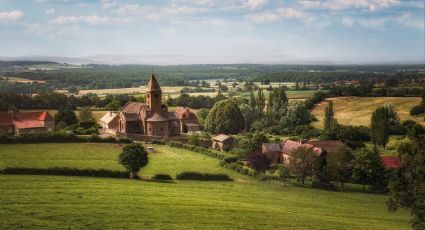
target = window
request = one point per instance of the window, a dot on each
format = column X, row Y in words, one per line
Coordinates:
column 148, row 95
column 161, row 129
column 156, row 95
column 150, row 129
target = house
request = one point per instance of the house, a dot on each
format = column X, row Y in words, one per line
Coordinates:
column 16, row 123
column 273, row 152
column 188, row 120
column 390, row 162
column 280, row 153
column 109, row 120
column 222, row 142
column 330, row 146
column 150, row 118
column 288, row 146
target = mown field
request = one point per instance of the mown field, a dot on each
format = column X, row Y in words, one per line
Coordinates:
column 97, row 203
column 358, row 110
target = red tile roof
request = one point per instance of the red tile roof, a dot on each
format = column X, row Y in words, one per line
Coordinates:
column 390, row 162
column 184, row 113
column 328, row 146
column 5, row 119
column 24, row 120
column 288, row 146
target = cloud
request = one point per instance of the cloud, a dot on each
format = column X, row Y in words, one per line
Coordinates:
column 404, row 19
column 278, row 15
column 11, row 15
column 335, row 5
column 89, row 19
column 50, row 11
column 255, row 3
column 106, row 4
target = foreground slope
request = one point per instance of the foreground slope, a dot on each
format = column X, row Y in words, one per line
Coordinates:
column 80, row 202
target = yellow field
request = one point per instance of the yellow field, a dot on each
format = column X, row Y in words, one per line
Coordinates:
column 141, row 89
column 358, row 110
column 21, row 80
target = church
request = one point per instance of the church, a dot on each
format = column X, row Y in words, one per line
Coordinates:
column 151, row 118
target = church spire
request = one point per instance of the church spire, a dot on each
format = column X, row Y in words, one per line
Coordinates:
column 153, row 85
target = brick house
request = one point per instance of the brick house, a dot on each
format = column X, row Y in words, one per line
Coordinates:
column 222, row 142
column 16, row 123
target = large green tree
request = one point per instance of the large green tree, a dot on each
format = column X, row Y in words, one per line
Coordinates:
column 380, row 126
column 297, row 114
column 302, row 162
column 66, row 116
column 340, row 165
column 368, row 169
column 277, row 104
column 133, row 158
column 85, row 114
column 407, row 186
column 225, row 117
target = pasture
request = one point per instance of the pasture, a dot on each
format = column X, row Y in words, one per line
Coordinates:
column 358, row 110
column 30, row 201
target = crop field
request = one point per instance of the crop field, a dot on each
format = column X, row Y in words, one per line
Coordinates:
column 141, row 89
column 43, row 202
column 358, row 110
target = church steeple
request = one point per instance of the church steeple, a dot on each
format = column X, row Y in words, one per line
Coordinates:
column 154, row 94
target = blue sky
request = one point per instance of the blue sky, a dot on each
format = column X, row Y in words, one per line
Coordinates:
column 226, row 31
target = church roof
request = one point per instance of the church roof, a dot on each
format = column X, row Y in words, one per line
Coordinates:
column 131, row 116
column 133, row 107
column 184, row 113
column 158, row 117
column 153, row 85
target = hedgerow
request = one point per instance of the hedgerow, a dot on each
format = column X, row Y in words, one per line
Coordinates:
column 64, row 171
column 188, row 175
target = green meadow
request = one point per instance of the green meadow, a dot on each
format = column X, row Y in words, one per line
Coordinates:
column 46, row 202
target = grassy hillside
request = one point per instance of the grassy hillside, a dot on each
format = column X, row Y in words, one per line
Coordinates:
column 358, row 110
column 98, row 203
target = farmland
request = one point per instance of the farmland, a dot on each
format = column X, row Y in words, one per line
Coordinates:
column 358, row 110
column 77, row 202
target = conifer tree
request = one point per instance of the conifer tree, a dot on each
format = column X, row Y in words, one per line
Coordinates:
column 380, row 126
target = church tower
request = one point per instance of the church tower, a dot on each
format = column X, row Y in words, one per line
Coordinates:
column 154, row 94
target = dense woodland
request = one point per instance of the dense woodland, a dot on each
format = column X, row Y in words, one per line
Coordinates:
column 123, row 76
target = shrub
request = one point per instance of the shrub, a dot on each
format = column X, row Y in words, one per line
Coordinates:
column 64, row 171
column 231, row 159
column 162, row 177
column 322, row 185
column 188, row 175
column 87, row 124
column 417, row 110
column 158, row 142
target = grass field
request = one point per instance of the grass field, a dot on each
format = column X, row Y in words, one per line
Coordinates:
column 358, row 110
column 97, row 203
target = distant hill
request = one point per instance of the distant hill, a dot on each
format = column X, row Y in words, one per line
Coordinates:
column 23, row 63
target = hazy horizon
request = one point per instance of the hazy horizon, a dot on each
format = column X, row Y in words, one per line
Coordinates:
column 170, row 32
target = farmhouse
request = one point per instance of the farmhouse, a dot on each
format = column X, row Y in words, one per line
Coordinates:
column 222, row 142
column 150, row 118
column 280, row 153
column 16, row 123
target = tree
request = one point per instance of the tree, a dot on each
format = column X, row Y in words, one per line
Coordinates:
column 225, row 117
column 193, row 140
column 85, row 114
column 252, row 101
column 368, row 169
column 340, row 165
column 249, row 114
column 66, row 116
column 297, row 114
column 302, row 162
column 133, row 158
column 258, row 161
column 261, row 101
column 380, row 126
column 329, row 120
column 258, row 139
column 407, row 186
column 277, row 104
column 114, row 105
column 202, row 115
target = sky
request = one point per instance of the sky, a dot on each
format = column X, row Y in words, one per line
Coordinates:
column 216, row 31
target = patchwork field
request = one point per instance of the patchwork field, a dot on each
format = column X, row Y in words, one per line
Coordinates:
column 358, row 110
column 98, row 203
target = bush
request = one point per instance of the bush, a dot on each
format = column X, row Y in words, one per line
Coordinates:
column 58, row 171
column 188, row 175
column 231, row 159
column 417, row 110
column 162, row 177
column 158, row 142
column 322, row 185
column 87, row 124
